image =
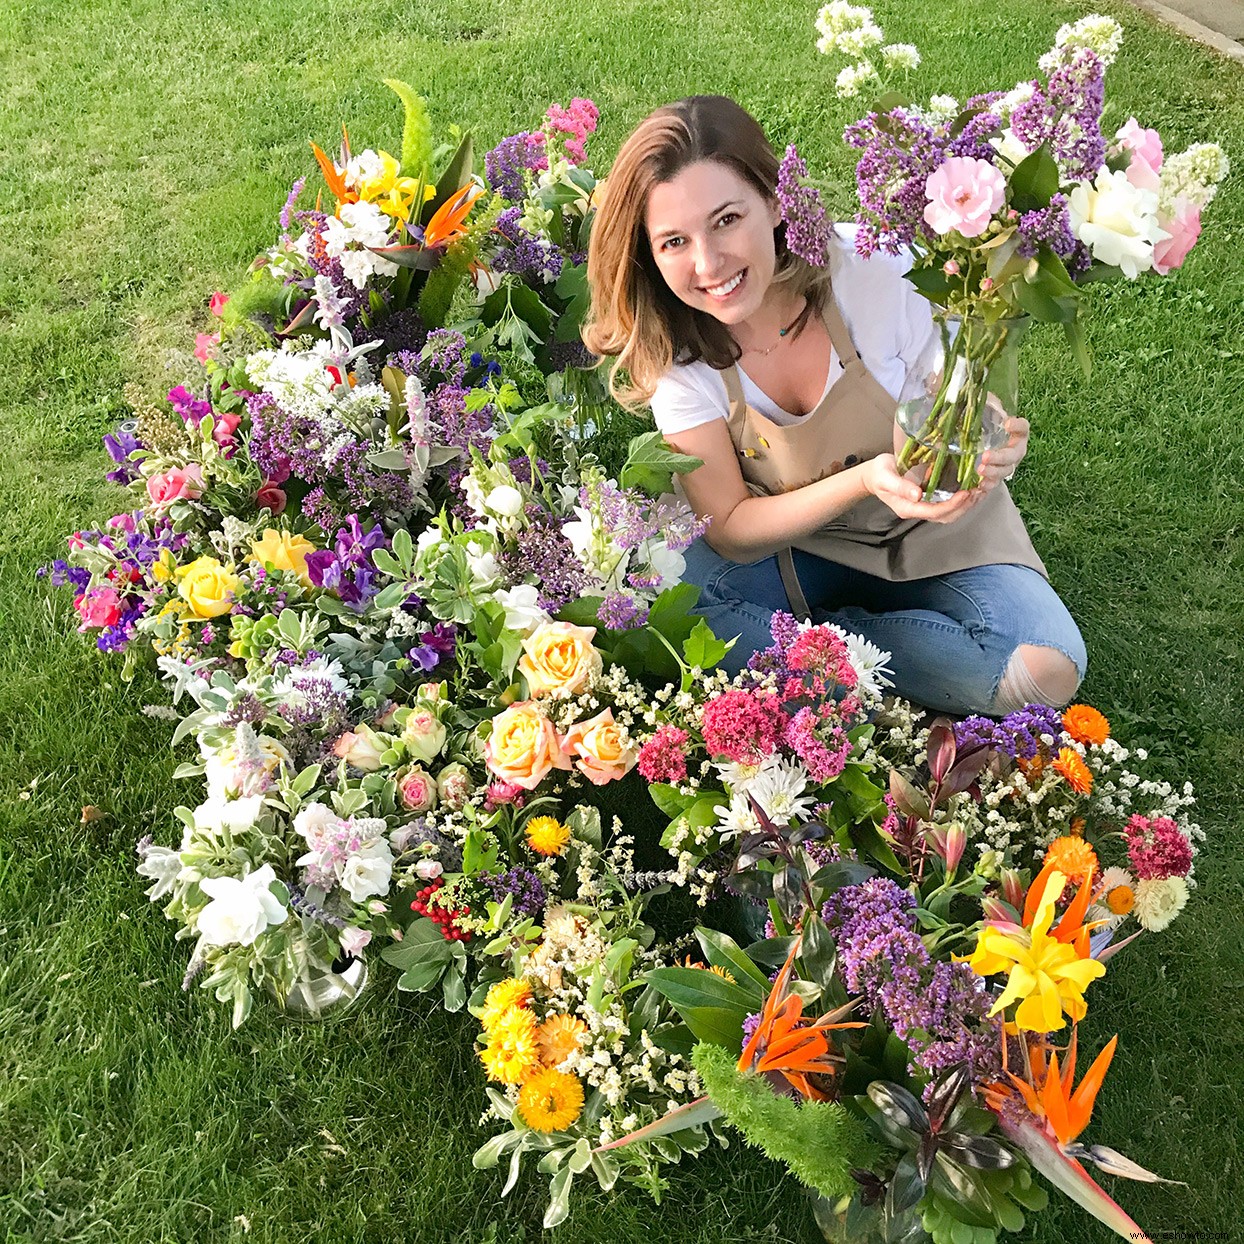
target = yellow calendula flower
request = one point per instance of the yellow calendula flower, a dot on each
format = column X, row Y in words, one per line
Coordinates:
column 1045, row 975
column 512, row 1052
column 283, row 550
column 207, row 587
column 559, row 1037
column 499, row 999
column 546, row 835
column 550, row 1101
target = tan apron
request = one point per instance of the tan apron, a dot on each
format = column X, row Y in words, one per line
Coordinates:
column 853, row 422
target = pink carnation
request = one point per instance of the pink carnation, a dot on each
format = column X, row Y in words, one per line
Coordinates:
column 963, row 194
column 1157, row 848
column 743, row 726
column 663, row 758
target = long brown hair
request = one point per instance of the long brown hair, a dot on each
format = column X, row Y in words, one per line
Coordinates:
column 635, row 318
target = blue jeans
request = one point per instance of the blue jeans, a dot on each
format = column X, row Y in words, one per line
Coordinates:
column 950, row 637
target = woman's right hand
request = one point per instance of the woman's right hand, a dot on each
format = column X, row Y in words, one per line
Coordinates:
column 902, row 493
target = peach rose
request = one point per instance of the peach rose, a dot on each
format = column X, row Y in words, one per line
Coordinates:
column 175, row 484
column 559, row 659
column 600, row 749
column 523, row 746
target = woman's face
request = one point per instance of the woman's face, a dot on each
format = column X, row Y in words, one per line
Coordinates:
column 711, row 234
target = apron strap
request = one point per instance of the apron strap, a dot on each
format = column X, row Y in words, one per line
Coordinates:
column 737, row 418
column 790, row 581
column 836, row 326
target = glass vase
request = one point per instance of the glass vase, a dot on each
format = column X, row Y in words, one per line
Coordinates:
column 849, row 1221
column 949, row 420
column 319, row 994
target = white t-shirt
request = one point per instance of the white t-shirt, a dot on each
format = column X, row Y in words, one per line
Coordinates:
column 889, row 322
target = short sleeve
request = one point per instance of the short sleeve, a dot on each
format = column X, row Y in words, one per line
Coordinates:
column 687, row 396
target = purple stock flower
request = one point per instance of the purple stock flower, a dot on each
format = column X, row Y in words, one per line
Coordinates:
column 808, row 224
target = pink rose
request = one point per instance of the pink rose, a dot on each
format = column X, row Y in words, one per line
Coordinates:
column 600, row 749
column 223, row 428
column 963, row 194
column 417, row 789
column 429, row 870
column 100, row 606
column 175, row 484
column 1146, row 148
column 1184, row 228
column 205, row 346
column 361, row 748
column 216, row 303
column 270, row 497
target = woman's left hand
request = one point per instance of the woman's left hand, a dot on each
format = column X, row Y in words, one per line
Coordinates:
column 999, row 464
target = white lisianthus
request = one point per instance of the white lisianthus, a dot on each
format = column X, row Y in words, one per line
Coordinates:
column 473, row 494
column 240, row 910
column 1101, row 35
column 904, row 56
column 850, row 79
column 1159, row 901
column 217, row 814
column 368, row 872
column 522, row 608
column 1117, row 221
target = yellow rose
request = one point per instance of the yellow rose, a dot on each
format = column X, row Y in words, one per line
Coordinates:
column 207, row 587
column 523, row 746
column 559, row 659
column 282, row 550
column 600, row 749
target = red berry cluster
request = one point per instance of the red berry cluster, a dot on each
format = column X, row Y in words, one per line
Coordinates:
column 443, row 916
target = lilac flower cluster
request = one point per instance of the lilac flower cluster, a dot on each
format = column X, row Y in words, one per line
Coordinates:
column 347, row 568
column 939, row 1009
column 1017, row 735
column 808, row 224
column 1066, row 113
column 622, row 612
column 527, row 890
column 507, row 164
column 891, row 176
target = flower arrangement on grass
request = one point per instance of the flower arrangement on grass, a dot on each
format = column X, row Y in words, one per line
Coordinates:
column 422, row 625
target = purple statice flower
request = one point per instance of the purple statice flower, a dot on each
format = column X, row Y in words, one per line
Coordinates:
column 507, row 164
column 891, row 177
column 294, row 191
column 120, row 445
column 520, row 467
column 456, row 426
column 622, row 612
column 1017, row 735
column 405, row 334
column 1066, row 113
column 270, row 442
column 750, row 1024
column 808, row 224
column 193, row 410
column 435, row 645
column 527, row 889
column 1051, row 226
column 973, row 140
column 543, row 551
column 528, row 255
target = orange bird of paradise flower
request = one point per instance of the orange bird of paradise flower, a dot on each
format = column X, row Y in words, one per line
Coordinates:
column 333, row 178
column 449, row 221
column 785, row 1044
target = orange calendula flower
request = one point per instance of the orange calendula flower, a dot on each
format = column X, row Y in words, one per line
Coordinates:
column 1073, row 857
column 1085, row 724
column 559, row 1037
column 1070, row 765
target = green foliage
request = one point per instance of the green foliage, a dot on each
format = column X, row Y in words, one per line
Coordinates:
column 819, row 1141
column 416, row 131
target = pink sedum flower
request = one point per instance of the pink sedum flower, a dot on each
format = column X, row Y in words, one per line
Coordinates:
column 963, row 194
column 1184, row 229
column 175, row 484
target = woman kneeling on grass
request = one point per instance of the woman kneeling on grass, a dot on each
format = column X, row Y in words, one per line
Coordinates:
column 692, row 282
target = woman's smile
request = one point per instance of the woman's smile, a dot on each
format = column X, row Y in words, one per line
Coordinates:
column 725, row 289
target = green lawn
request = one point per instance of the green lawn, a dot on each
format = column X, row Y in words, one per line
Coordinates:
column 146, row 149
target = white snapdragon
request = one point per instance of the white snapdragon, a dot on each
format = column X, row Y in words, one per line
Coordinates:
column 1101, row 35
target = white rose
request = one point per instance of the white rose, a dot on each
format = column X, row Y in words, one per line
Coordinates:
column 522, row 609
column 314, row 820
column 240, row 910
column 368, row 873
column 1009, row 147
column 1117, row 221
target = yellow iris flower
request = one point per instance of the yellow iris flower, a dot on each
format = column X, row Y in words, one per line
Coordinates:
column 1046, row 975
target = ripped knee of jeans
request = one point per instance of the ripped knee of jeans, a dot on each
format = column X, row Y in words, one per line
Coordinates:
column 1035, row 675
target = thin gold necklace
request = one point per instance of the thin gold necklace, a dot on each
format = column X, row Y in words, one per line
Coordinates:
column 781, row 336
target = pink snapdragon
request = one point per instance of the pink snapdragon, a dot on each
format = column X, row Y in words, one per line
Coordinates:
column 963, row 194
column 743, row 726
column 1157, row 848
column 663, row 757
